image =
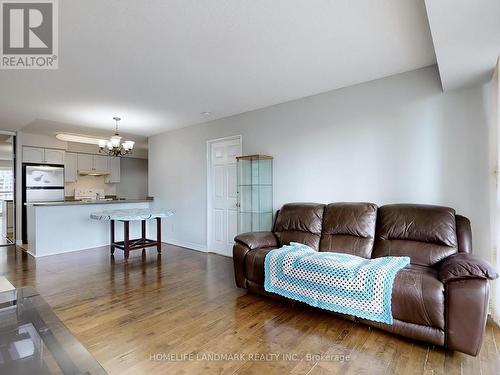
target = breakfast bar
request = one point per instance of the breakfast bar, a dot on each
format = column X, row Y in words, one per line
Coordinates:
column 61, row 227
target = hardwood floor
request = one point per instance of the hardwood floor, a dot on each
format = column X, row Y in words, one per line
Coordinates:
column 132, row 316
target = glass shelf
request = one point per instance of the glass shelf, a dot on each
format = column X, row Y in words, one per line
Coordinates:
column 258, row 185
column 255, row 193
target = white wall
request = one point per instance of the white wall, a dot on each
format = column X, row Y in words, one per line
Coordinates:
column 397, row 139
column 134, row 179
column 6, row 164
column 42, row 140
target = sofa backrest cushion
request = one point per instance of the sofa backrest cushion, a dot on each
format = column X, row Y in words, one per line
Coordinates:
column 426, row 234
column 349, row 228
column 300, row 222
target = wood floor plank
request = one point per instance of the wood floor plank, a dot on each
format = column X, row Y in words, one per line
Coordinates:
column 185, row 303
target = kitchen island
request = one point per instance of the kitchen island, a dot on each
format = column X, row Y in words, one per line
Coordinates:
column 61, row 227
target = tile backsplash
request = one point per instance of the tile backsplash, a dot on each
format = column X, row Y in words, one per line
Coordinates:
column 89, row 182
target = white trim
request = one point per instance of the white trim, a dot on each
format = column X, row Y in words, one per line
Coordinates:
column 209, row 179
column 187, row 245
column 495, row 318
column 58, row 252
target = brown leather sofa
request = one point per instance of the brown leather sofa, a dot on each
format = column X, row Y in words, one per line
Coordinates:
column 441, row 297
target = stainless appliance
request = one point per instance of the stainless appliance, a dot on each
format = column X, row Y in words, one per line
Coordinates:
column 41, row 183
column 93, row 173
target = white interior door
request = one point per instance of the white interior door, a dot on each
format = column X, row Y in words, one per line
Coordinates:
column 222, row 218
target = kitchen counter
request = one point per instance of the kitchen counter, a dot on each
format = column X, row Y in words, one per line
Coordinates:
column 61, row 227
column 80, row 202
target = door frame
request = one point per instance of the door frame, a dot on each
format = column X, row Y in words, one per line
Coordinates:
column 209, row 183
column 14, row 186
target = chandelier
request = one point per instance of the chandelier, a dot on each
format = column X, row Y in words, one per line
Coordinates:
column 115, row 147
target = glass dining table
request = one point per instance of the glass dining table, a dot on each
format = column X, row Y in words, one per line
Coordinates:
column 34, row 341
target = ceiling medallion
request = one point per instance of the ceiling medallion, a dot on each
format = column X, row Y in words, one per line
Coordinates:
column 115, row 146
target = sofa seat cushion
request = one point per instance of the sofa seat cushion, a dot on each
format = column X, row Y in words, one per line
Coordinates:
column 418, row 297
column 417, row 293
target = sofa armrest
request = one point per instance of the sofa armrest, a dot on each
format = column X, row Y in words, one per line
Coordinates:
column 243, row 244
column 255, row 240
column 462, row 266
column 466, row 310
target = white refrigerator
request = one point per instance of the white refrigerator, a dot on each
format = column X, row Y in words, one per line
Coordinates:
column 44, row 183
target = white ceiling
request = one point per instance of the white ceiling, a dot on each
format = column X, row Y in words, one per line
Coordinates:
column 159, row 64
column 466, row 36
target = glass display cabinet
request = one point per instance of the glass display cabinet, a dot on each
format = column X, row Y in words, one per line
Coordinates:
column 255, row 193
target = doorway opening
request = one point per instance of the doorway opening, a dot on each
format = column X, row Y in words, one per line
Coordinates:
column 7, row 189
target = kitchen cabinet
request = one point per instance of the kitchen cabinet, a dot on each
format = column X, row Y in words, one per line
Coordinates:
column 74, row 162
column 114, row 170
column 85, row 162
column 54, row 156
column 100, row 163
column 33, row 155
column 43, row 155
column 71, row 167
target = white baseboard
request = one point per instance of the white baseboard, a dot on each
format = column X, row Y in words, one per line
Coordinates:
column 47, row 254
column 495, row 318
column 188, row 245
column 493, row 311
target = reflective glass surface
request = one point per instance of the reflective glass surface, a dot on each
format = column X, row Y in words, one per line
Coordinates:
column 34, row 341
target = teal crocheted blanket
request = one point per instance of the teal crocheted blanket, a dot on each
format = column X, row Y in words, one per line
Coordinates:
column 337, row 282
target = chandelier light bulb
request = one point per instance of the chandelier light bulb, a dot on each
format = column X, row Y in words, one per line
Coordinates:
column 115, row 140
column 114, row 146
column 128, row 145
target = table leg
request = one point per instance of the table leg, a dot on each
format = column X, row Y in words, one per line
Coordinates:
column 143, row 230
column 143, row 235
column 158, row 234
column 126, row 238
column 112, row 232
